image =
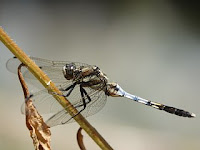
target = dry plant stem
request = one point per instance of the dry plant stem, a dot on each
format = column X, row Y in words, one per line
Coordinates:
column 46, row 82
column 22, row 81
column 39, row 131
column 80, row 139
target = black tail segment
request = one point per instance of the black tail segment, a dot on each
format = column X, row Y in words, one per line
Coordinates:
column 176, row 111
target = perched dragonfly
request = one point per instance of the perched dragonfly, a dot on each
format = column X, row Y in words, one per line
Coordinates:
column 86, row 86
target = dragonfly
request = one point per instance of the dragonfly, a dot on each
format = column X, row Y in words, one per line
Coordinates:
column 86, row 86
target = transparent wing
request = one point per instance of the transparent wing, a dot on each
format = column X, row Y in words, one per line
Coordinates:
column 63, row 117
column 45, row 104
column 52, row 68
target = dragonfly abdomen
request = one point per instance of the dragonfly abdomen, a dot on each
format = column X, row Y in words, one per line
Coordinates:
column 172, row 110
column 176, row 111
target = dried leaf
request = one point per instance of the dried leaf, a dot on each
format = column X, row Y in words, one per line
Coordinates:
column 39, row 131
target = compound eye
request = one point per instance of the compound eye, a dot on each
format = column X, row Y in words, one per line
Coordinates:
column 68, row 70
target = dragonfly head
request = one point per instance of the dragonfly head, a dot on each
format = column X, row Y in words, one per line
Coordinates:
column 68, row 71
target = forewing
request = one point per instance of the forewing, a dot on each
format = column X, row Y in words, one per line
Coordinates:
column 53, row 69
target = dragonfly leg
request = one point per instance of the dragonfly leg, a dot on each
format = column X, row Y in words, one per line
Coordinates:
column 83, row 92
column 84, row 104
column 83, row 98
column 69, row 89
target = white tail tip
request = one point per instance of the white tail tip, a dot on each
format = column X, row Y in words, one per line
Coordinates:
column 193, row 115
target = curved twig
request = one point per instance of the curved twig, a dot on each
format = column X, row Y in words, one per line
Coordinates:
column 79, row 137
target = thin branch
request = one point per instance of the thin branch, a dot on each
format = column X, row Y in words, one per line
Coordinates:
column 50, row 86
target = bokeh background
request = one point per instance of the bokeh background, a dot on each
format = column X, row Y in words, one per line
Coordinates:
column 151, row 48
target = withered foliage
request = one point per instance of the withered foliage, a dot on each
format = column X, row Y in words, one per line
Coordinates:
column 39, row 131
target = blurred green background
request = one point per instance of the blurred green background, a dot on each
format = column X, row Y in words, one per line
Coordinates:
column 149, row 48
